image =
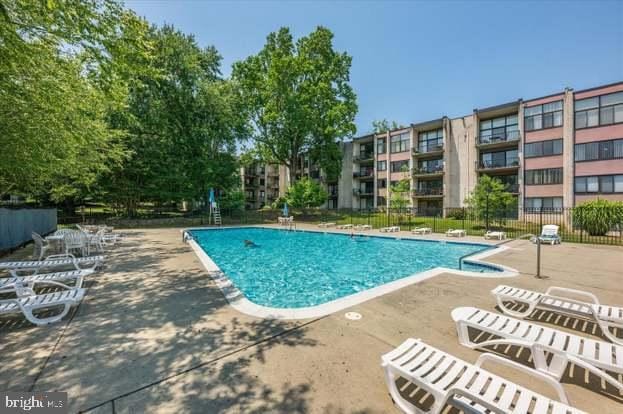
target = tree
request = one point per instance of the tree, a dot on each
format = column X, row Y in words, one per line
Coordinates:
column 306, row 193
column 490, row 199
column 298, row 98
column 53, row 127
column 183, row 123
column 399, row 198
column 383, row 125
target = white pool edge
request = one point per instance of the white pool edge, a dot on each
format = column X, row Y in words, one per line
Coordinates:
column 239, row 302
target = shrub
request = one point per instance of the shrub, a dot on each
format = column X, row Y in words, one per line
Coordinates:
column 597, row 217
column 456, row 214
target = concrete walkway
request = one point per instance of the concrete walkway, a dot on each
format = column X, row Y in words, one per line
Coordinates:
column 155, row 335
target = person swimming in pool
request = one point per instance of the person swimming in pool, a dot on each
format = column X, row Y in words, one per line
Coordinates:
column 249, row 243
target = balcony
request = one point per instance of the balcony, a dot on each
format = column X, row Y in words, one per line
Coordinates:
column 365, row 157
column 428, row 192
column 428, row 149
column 365, row 192
column 428, row 171
column 503, row 139
column 512, row 188
column 509, row 164
column 366, row 174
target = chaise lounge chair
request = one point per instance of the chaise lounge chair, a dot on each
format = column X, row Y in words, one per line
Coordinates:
column 469, row 387
column 326, row 224
column 500, row 235
column 9, row 284
column 549, row 234
column 344, row 226
column 363, row 227
column 456, row 233
column 30, row 303
column 597, row 357
column 51, row 262
column 422, row 230
column 391, row 229
column 556, row 299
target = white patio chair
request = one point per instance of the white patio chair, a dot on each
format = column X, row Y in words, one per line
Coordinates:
column 390, row 229
column 557, row 299
column 30, row 303
column 76, row 240
column 500, row 235
column 344, row 226
column 549, row 234
column 597, row 357
column 41, row 246
column 422, row 230
column 469, row 387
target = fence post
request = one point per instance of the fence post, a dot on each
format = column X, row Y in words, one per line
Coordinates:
column 463, row 215
column 435, row 224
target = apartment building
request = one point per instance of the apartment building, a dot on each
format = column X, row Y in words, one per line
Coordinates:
column 262, row 184
column 550, row 152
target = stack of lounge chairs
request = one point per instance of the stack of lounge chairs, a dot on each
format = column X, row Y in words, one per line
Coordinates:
column 472, row 389
column 65, row 273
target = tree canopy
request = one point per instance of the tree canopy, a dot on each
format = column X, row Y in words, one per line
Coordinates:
column 298, row 98
column 490, row 199
column 305, row 193
column 384, row 125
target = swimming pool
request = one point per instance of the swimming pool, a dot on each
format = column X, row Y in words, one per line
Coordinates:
column 300, row 269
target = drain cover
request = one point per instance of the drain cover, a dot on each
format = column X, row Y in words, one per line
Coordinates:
column 353, row 316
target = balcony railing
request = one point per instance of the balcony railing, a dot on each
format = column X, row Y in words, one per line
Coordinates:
column 364, row 173
column 512, row 188
column 434, row 169
column 493, row 164
column 365, row 156
column 425, row 147
column 508, row 136
column 363, row 192
column 431, row 191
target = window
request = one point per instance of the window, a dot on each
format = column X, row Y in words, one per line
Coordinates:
column 262, row 181
column 499, row 159
column 543, row 203
column 397, row 166
column 548, row 115
column 430, row 166
column 380, row 146
column 600, row 150
column 381, row 183
column 381, row 165
column 543, row 148
column 545, row 176
column 599, row 110
column 430, row 140
column 599, row 184
column 262, row 194
column 400, row 142
column 503, row 128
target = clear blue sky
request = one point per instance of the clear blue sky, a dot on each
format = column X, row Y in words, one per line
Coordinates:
column 416, row 61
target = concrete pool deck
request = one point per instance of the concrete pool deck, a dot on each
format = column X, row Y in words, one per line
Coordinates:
column 154, row 334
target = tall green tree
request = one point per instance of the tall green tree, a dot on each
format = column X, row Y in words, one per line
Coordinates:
column 400, row 192
column 183, row 123
column 490, row 199
column 298, row 98
column 383, row 125
column 57, row 85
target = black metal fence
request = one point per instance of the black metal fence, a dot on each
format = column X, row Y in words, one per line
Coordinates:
column 475, row 223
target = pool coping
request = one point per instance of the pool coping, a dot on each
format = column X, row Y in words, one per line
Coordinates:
column 239, row 301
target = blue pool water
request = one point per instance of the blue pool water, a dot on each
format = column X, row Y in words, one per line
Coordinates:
column 298, row 269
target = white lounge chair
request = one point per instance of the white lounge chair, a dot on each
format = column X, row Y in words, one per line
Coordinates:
column 390, row 229
column 344, row 226
column 500, row 235
column 456, row 233
column 422, row 230
column 363, row 227
column 549, row 234
column 469, row 387
column 28, row 304
column 326, row 224
column 52, row 262
column 8, row 284
column 556, row 299
column 598, row 357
